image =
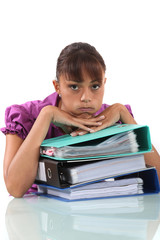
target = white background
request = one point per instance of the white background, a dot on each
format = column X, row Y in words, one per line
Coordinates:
column 125, row 32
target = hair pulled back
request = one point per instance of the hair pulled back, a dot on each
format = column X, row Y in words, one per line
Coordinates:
column 78, row 57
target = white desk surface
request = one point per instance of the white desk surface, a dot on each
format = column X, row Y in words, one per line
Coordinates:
column 40, row 218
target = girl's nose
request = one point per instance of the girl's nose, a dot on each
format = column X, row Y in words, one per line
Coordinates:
column 86, row 96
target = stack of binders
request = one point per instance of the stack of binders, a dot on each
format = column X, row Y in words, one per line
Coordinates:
column 107, row 163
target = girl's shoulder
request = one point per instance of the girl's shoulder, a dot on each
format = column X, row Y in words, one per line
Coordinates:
column 19, row 119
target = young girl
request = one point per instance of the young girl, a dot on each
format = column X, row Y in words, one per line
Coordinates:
column 76, row 108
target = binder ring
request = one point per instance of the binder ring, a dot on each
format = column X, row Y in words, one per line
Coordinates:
column 49, row 173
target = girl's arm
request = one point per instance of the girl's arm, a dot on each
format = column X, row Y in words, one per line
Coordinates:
column 153, row 159
column 21, row 157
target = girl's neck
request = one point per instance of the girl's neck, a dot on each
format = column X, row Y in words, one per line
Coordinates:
column 59, row 102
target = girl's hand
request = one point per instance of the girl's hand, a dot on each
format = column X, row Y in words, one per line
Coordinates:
column 111, row 115
column 68, row 122
column 114, row 113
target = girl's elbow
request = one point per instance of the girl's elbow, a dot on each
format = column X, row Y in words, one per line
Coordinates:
column 14, row 190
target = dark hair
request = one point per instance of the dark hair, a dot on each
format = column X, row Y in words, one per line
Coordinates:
column 78, row 57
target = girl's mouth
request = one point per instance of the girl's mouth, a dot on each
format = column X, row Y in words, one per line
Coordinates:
column 85, row 109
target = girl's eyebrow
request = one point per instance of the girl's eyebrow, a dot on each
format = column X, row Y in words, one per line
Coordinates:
column 96, row 80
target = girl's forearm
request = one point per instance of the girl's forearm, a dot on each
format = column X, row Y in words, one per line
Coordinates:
column 23, row 168
column 125, row 116
column 153, row 159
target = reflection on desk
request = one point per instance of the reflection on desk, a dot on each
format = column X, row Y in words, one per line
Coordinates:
column 41, row 218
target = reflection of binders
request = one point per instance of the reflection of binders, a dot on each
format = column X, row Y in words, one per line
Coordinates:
column 142, row 133
column 148, row 175
column 101, row 218
column 135, row 207
column 133, row 218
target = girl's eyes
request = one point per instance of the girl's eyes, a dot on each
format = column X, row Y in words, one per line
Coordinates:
column 76, row 87
column 96, row 86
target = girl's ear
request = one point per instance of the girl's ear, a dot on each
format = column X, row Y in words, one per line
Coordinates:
column 105, row 80
column 56, row 86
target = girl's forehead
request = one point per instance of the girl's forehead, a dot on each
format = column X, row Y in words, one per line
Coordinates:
column 83, row 75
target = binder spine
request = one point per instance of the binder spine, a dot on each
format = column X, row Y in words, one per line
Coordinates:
column 53, row 174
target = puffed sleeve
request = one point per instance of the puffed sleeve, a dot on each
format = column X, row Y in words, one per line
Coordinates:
column 129, row 109
column 18, row 121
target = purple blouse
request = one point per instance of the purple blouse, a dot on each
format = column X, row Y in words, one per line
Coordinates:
column 19, row 119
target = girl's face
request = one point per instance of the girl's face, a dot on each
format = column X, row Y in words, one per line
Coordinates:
column 80, row 98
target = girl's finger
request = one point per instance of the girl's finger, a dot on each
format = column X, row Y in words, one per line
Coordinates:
column 78, row 132
column 99, row 118
column 89, row 122
column 81, row 126
column 104, row 125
